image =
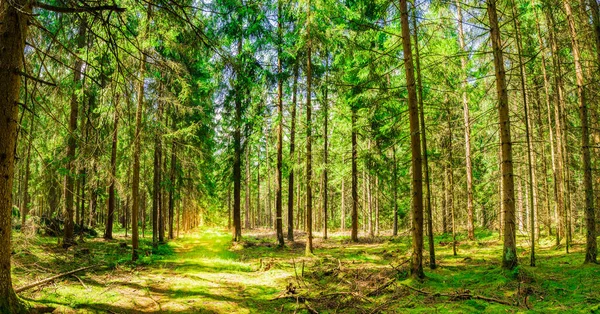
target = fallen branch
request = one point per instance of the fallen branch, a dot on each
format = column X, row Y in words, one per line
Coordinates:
column 47, row 280
column 381, row 288
column 462, row 295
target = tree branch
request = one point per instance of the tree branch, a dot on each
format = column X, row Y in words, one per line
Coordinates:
column 77, row 9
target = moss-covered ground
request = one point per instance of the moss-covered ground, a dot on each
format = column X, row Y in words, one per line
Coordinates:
column 203, row 272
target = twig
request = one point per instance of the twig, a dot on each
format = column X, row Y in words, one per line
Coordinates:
column 47, row 280
column 80, row 281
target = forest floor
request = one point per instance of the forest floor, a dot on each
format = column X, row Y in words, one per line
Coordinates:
column 203, row 272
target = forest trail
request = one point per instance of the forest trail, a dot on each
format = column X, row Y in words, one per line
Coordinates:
column 200, row 275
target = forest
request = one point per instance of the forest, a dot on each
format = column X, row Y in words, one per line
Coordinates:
column 312, row 156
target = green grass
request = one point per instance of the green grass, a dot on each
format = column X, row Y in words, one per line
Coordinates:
column 204, row 273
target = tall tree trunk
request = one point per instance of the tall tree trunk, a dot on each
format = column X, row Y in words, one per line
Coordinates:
column 26, row 196
column 424, row 148
column 113, row 174
column 509, row 252
column 415, row 141
column 449, row 178
column 14, row 17
column 290, row 231
column 354, row 232
column 237, row 156
column 136, row 148
column 591, row 247
column 68, row 237
column 528, row 135
column 467, row 123
column 156, row 201
column 343, row 208
column 325, row 147
column 279, row 177
column 172, row 185
column 248, row 183
column 162, row 219
column 395, row 192
column 549, row 118
column 560, row 200
column 309, row 244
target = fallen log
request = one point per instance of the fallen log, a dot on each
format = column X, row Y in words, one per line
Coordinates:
column 50, row 279
column 461, row 295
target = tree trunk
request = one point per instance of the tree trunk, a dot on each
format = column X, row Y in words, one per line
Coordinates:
column 467, row 124
column 395, row 192
column 68, row 237
column 309, row 244
column 26, row 196
column 417, row 175
column 550, row 131
column 509, row 253
column 424, row 150
column 449, row 178
column 172, row 186
column 113, row 174
column 237, row 157
column 162, row 219
column 591, row 247
column 290, row 231
column 14, row 17
column 279, row 177
column 136, row 148
column 559, row 103
column 156, row 203
column 343, row 208
column 354, row 179
column 528, row 135
column 325, row 148
column 248, row 183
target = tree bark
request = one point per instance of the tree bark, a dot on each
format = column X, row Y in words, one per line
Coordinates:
column 417, row 175
column 509, row 252
column 591, row 250
column 14, row 19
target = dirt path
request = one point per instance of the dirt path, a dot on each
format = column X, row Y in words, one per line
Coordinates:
column 203, row 276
